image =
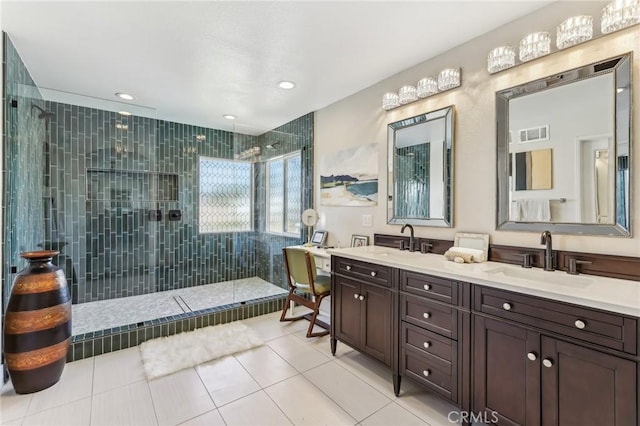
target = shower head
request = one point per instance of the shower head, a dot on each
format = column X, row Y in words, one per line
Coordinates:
column 43, row 112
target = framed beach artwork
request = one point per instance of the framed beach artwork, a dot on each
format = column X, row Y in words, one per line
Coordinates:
column 350, row 177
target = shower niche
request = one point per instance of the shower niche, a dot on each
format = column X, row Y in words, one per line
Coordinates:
column 126, row 190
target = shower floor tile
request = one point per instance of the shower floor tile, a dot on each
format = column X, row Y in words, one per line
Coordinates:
column 104, row 314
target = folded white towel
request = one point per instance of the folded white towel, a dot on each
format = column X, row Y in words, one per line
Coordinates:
column 532, row 210
column 477, row 255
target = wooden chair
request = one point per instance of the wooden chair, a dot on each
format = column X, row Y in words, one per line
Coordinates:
column 303, row 280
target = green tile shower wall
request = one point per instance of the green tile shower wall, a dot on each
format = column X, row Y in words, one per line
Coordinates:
column 111, row 249
column 24, row 165
column 120, row 252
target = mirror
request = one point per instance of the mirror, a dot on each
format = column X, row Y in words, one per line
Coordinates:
column 421, row 169
column 582, row 117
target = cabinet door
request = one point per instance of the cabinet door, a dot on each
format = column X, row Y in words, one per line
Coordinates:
column 348, row 312
column 506, row 382
column 376, row 332
column 583, row 387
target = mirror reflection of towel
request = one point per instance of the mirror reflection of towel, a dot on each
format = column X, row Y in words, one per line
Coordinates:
column 531, row 210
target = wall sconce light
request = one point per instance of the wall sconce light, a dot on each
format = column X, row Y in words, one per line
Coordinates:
column 501, row 58
column 427, row 86
column 447, row 79
column 617, row 15
column 620, row 14
column 408, row 94
column 390, row 100
column 535, row 45
column 574, row 30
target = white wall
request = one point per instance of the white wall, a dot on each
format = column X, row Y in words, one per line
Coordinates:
column 359, row 119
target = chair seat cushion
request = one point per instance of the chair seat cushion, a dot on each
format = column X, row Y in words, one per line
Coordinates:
column 322, row 284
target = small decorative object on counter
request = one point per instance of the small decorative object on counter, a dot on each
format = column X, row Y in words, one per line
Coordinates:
column 459, row 257
column 37, row 328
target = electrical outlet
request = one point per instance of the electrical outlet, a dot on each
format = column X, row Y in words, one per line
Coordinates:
column 367, row 220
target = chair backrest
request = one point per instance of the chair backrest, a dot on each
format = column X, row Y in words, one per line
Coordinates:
column 300, row 264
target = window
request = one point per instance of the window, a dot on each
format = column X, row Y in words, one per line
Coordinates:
column 284, row 194
column 225, row 195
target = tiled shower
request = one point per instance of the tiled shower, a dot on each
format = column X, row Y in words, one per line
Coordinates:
column 120, row 196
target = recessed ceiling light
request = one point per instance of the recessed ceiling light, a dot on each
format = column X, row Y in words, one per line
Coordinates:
column 229, row 116
column 125, row 96
column 285, row 84
column 125, row 113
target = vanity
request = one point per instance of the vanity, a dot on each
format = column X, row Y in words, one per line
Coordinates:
column 530, row 345
column 523, row 346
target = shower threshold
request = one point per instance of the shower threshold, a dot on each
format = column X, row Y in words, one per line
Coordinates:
column 134, row 310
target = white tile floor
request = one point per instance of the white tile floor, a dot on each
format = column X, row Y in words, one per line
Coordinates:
column 289, row 380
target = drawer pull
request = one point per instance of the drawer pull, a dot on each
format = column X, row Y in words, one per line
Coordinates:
column 426, row 373
column 426, row 315
column 361, row 297
column 426, row 345
column 374, row 273
column 547, row 362
column 506, row 306
column 532, row 356
column 348, row 267
column 580, row 324
column 355, row 296
column 427, row 287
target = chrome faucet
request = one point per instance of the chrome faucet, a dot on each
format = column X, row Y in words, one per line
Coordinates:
column 545, row 238
column 411, row 242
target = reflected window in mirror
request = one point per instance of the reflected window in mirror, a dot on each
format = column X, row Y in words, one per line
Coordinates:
column 563, row 152
column 420, row 169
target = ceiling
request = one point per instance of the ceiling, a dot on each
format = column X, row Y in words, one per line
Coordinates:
column 192, row 62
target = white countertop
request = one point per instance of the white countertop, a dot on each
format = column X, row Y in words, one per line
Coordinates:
column 610, row 294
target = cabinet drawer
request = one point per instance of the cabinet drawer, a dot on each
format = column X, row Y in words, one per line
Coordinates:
column 438, row 376
column 435, row 288
column 428, row 343
column 433, row 316
column 369, row 272
column 602, row 328
column 323, row 263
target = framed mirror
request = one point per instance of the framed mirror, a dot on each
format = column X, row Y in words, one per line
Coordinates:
column 564, row 152
column 421, row 169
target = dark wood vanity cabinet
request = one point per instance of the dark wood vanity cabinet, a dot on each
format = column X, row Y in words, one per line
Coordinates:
column 534, row 376
column 363, row 308
column 512, row 358
column 434, row 331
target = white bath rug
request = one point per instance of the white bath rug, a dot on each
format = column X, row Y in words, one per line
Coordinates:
column 167, row 355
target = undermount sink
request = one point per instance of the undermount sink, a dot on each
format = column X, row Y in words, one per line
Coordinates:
column 540, row 275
